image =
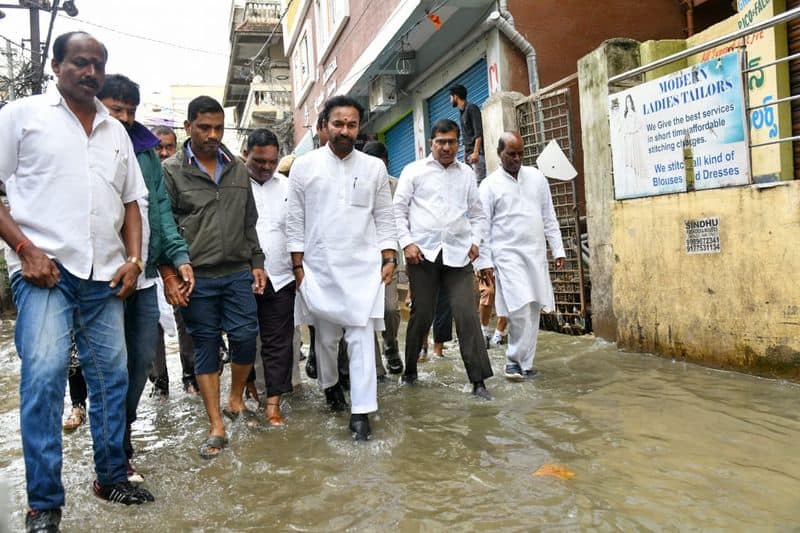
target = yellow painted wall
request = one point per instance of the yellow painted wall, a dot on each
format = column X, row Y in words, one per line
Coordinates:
column 739, row 308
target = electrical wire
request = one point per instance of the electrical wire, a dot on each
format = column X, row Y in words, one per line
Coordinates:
column 143, row 38
column 272, row 33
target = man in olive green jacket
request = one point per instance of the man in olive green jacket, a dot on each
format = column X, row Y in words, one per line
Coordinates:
column 215, row 211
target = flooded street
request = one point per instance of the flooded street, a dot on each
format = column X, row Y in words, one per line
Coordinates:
column 653, row 445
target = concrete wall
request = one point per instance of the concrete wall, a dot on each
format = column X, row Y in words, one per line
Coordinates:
column 739, row 308
column 612, row 58
column 500, row 110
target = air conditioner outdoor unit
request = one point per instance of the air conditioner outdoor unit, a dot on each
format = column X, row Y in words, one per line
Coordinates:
column 382, row 93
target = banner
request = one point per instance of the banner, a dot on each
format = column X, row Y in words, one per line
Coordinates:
column 680, row 132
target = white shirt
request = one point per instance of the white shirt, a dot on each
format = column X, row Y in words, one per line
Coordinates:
column 143, row 282
column 439, row 210
column 521, row 215
column 270, row 200
column 66, row 189
column 339, row 214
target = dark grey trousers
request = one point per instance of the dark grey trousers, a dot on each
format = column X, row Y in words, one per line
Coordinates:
column 426, row 279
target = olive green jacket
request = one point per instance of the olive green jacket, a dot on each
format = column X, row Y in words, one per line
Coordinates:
column 217, row 221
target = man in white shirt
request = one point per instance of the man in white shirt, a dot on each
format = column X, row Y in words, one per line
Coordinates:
column 341, row 234
column 517, row 202
column 73, row 185
column 276, row 304
column 441, row 225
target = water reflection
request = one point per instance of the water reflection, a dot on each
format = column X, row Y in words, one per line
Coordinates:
column 654, row 445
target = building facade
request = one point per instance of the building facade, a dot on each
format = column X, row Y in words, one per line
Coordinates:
column 258, row 85
column 400, row 56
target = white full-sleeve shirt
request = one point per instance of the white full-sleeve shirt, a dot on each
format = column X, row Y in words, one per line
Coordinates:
column 521, row 218
column 438, row 209
column 271, row 197
column 339, row 214
column 66, row 189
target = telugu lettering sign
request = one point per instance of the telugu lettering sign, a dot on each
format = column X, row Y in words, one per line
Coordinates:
column 702, row 236
column 683, row 131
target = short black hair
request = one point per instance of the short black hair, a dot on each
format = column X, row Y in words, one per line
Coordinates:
column 321, row 119
column 342, row 100
column 444, row 125
column 262, row 137
column 62, row 41
column 459, row 90
column 163, row 130
column 374, row 148
column 119, row 87
column 203, row 104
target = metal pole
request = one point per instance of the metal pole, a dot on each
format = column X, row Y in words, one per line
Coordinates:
column 36, row 50
column 12, row 93
column 780, row 18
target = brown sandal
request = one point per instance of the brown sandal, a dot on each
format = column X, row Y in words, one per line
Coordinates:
column 75, row 419
column 273, row 412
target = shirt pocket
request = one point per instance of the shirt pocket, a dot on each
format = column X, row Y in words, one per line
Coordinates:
column 360, row 195
column 112, row 169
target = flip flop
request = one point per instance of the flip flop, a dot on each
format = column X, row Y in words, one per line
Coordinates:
column 250, row 418
column 247, row 414
column 212, row 442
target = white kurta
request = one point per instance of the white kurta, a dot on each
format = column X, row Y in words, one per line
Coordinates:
column 339, row 214
column 271, row 198
column 521, row 216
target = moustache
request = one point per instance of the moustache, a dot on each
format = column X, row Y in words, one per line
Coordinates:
column 89, row 82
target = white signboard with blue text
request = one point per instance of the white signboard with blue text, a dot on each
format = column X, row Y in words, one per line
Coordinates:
column 683, row 131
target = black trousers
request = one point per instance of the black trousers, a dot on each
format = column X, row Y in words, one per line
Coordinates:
column 442, row 318
column 276, row 327
column 426, row 280
column 159, row 374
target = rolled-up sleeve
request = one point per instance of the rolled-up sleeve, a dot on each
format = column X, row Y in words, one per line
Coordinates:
column 9, row 143
column 552, row 230
column 134, row 187
column 485, row 258
column 384, row 214
column 296, row 210
column 475, row 214
column 400, row 208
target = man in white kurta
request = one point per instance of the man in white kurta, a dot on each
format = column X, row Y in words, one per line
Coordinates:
column 341, row 234
column 519, row 208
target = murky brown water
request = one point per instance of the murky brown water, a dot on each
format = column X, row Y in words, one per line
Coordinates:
column 655, row 445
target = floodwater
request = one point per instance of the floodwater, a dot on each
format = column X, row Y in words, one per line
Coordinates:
column 653, row 444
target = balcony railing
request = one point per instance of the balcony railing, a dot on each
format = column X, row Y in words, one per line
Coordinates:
column 257, row 16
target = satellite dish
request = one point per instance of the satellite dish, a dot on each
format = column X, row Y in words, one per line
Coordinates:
column 554, row 164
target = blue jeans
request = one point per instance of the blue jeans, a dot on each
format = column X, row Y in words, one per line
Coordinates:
column 141, row 339
column 224, row 304
column 45, row 320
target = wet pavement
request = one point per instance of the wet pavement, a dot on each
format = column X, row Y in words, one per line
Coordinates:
column 653, row 444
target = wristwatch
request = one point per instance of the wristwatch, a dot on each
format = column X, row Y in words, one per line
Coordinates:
column 136, row 261
column 387, row 260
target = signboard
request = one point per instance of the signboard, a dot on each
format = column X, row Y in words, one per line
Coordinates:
column 683, row 131
column 702, row 236
column 768, row 162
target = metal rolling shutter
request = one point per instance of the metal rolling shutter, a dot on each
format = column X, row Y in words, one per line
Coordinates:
column 476, row 80
column 399, row 141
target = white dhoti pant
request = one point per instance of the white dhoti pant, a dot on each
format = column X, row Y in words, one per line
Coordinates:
column 523, row 330
column 361, row 350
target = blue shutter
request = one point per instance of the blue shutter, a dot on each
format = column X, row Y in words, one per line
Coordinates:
column 476, row 80
column 399, row 141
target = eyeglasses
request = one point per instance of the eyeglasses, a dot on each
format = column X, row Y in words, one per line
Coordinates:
column 446, row 142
